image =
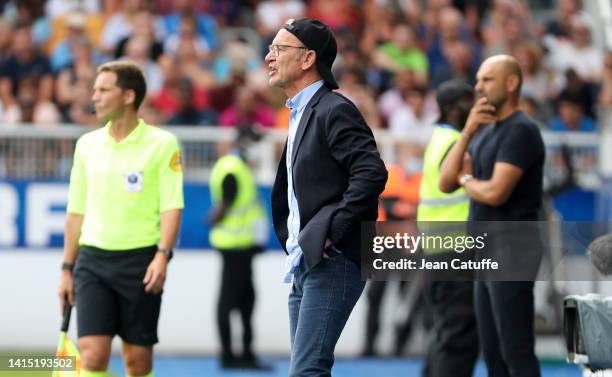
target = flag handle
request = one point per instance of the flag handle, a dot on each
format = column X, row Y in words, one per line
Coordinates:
column 67, row 312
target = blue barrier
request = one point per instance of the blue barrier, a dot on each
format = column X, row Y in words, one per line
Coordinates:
column 32, row 214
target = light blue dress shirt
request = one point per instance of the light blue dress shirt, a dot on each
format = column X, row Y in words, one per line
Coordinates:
column 297, row 105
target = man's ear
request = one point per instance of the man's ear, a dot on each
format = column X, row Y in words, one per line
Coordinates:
column 512, row 83
column 309, row 59
column 129, row 97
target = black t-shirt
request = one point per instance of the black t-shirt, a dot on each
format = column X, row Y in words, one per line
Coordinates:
column 16, row 70
column 516, row 141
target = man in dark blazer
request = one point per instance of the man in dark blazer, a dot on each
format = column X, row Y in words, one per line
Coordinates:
column 328, row 182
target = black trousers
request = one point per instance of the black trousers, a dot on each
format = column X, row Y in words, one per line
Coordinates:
column 505, row 313
column 375, row 292
column 453, row 348
column 237, row 292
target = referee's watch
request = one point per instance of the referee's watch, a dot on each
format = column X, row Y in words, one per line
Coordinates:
column 67, row 266
column 167, row 252
column 464, row 179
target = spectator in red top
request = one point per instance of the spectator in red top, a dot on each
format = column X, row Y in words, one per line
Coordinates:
column 248, row 109
column 169, row 99
column 188, row 114
column 337, row 14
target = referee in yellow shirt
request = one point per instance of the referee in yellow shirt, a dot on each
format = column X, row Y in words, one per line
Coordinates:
column 124, row 210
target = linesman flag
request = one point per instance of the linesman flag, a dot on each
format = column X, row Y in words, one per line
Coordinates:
column 65, row 346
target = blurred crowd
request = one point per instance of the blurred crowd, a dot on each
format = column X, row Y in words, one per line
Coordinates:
column 204, row 59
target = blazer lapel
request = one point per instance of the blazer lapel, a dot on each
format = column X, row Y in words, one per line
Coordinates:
column 300, row 132
column 304, row 120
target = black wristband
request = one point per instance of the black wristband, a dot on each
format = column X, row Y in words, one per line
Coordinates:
column 167, row 252
column 68, row 267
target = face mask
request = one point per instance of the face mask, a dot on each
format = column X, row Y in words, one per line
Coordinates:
column 253, row 152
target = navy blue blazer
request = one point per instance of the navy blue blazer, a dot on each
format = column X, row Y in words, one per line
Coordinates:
column 338, row 176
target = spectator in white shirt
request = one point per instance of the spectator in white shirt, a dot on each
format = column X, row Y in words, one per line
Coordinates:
column 577, row 53
column 414, row 122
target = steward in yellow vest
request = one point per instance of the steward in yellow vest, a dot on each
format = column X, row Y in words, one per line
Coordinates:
column 239, row 231
column 441, row 216
column 239, row 211
column 452, row 209
column 434, row 205
column 454, row 347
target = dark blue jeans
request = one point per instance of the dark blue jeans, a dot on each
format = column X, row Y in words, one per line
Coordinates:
column 320, row 303
column 505, row 314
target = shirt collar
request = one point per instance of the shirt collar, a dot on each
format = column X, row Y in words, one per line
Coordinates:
column 300, row 100
column 134, row 136
column 447, row 126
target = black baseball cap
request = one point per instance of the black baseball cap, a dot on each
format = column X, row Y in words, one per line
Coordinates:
column 451, row 91
column 317, row 36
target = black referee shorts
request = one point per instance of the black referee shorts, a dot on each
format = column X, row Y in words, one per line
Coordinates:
column 110, row 295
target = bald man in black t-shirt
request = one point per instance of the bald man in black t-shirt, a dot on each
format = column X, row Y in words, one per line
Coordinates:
column 499, row 162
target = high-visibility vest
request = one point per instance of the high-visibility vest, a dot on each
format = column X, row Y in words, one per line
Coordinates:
column 242, row 222
column 434, row 205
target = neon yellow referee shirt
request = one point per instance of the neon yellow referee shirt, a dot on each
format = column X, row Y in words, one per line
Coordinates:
column 122, row 188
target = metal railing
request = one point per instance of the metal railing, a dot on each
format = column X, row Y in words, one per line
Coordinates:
column 31, row 152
